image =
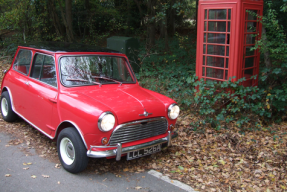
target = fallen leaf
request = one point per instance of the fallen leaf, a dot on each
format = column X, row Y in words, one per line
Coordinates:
column 8, row 175
column 143, row 176
column 24, row 163
column 57, row 166
column 34, row 176
column 154, row 166
column 222, row 161
column 45, row 176
column 29, row 163
column 26, row 168
column 58, row 182
column 126, row 169
column 138, row 187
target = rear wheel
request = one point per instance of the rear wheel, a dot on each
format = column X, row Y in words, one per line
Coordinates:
column 6, row 108
column 72, row 151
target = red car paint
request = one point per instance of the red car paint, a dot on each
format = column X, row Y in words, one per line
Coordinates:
column 50, row 109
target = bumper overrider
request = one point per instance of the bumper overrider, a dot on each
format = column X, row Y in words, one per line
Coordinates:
column 119, row 151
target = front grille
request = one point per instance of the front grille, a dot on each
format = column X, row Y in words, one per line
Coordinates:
column 137, row 130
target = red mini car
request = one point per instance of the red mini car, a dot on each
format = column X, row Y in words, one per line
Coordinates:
column 88, row 99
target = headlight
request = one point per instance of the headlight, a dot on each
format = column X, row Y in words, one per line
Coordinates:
column 106, row 121
column 173, row 111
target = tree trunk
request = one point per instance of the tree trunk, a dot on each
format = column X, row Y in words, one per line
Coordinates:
column 267, row 60
column 151, row 23
column 69, row 33
column 128, row 6
column 139, row 7
column 117, row 3
column 166, row 34
column 55, row 18
column 171, row 19
column 196, row 16
column 69, row 18
column 87, row 6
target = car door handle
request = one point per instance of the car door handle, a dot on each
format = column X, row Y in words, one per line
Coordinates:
column 53, row 100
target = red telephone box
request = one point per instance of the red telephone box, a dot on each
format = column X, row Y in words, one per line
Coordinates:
column 226, row 33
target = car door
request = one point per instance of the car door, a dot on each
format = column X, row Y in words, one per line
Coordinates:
column 17, row 85
column 42, row 93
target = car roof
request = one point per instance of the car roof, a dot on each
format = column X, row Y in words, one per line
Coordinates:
column 66, row 47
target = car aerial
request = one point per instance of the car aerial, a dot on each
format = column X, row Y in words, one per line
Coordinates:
column 88, row 99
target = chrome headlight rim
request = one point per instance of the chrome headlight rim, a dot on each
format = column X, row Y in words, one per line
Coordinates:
column 169, row 110
column 101, row 119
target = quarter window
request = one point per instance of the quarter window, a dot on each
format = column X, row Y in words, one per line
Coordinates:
column 23, row 61
column 44, row 69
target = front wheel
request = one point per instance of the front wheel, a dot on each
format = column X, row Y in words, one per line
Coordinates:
column 6, row 108
column 72, row 151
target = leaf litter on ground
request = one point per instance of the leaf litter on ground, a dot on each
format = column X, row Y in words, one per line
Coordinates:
column 210, row 161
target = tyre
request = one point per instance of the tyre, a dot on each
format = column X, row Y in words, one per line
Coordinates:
column 6, row 108
column 72, row 151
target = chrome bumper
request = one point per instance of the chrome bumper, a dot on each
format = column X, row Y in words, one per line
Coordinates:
column 119, row 150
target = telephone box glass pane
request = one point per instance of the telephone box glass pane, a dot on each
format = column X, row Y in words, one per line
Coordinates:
column 248, row 73
column 215, row 61
column 214, row 73
column 250, row 39
column 204, row 38
column 203, row 71
column 203, row 60
column 217, row 14
column 226, row 63
column 217, row 26
column 205, row 13
column 251, row 26
column 227, row 51
column 228, row 38
column 252, row 15
column 205, row 26
column 215, row 50
column 249, row 52
column 218, row 38
column 249, row 62
column 204, row 48
column 226, row 75
column 229, row 14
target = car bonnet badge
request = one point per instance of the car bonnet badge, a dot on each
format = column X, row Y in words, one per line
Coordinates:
column 145, row 114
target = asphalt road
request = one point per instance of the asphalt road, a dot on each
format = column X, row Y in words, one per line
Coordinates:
column 57, row 179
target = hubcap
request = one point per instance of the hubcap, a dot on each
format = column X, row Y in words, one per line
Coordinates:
column 67, row 151
column 4, row 106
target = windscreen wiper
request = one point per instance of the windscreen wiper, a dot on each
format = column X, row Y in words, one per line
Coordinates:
column 84, row 80
column 108, row 79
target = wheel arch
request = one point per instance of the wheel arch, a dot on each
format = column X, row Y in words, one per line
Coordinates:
column 4, row 89
column 10, row 95
column 66, row 124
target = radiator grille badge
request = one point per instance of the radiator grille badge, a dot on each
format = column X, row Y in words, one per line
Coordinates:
column 145, row 114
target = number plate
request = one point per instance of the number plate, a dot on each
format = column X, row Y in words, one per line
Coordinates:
column 143, row 152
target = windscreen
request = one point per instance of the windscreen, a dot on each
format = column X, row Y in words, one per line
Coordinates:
column 94, row 69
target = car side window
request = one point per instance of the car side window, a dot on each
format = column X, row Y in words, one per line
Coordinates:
column 44, row 69
column 22, row 61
